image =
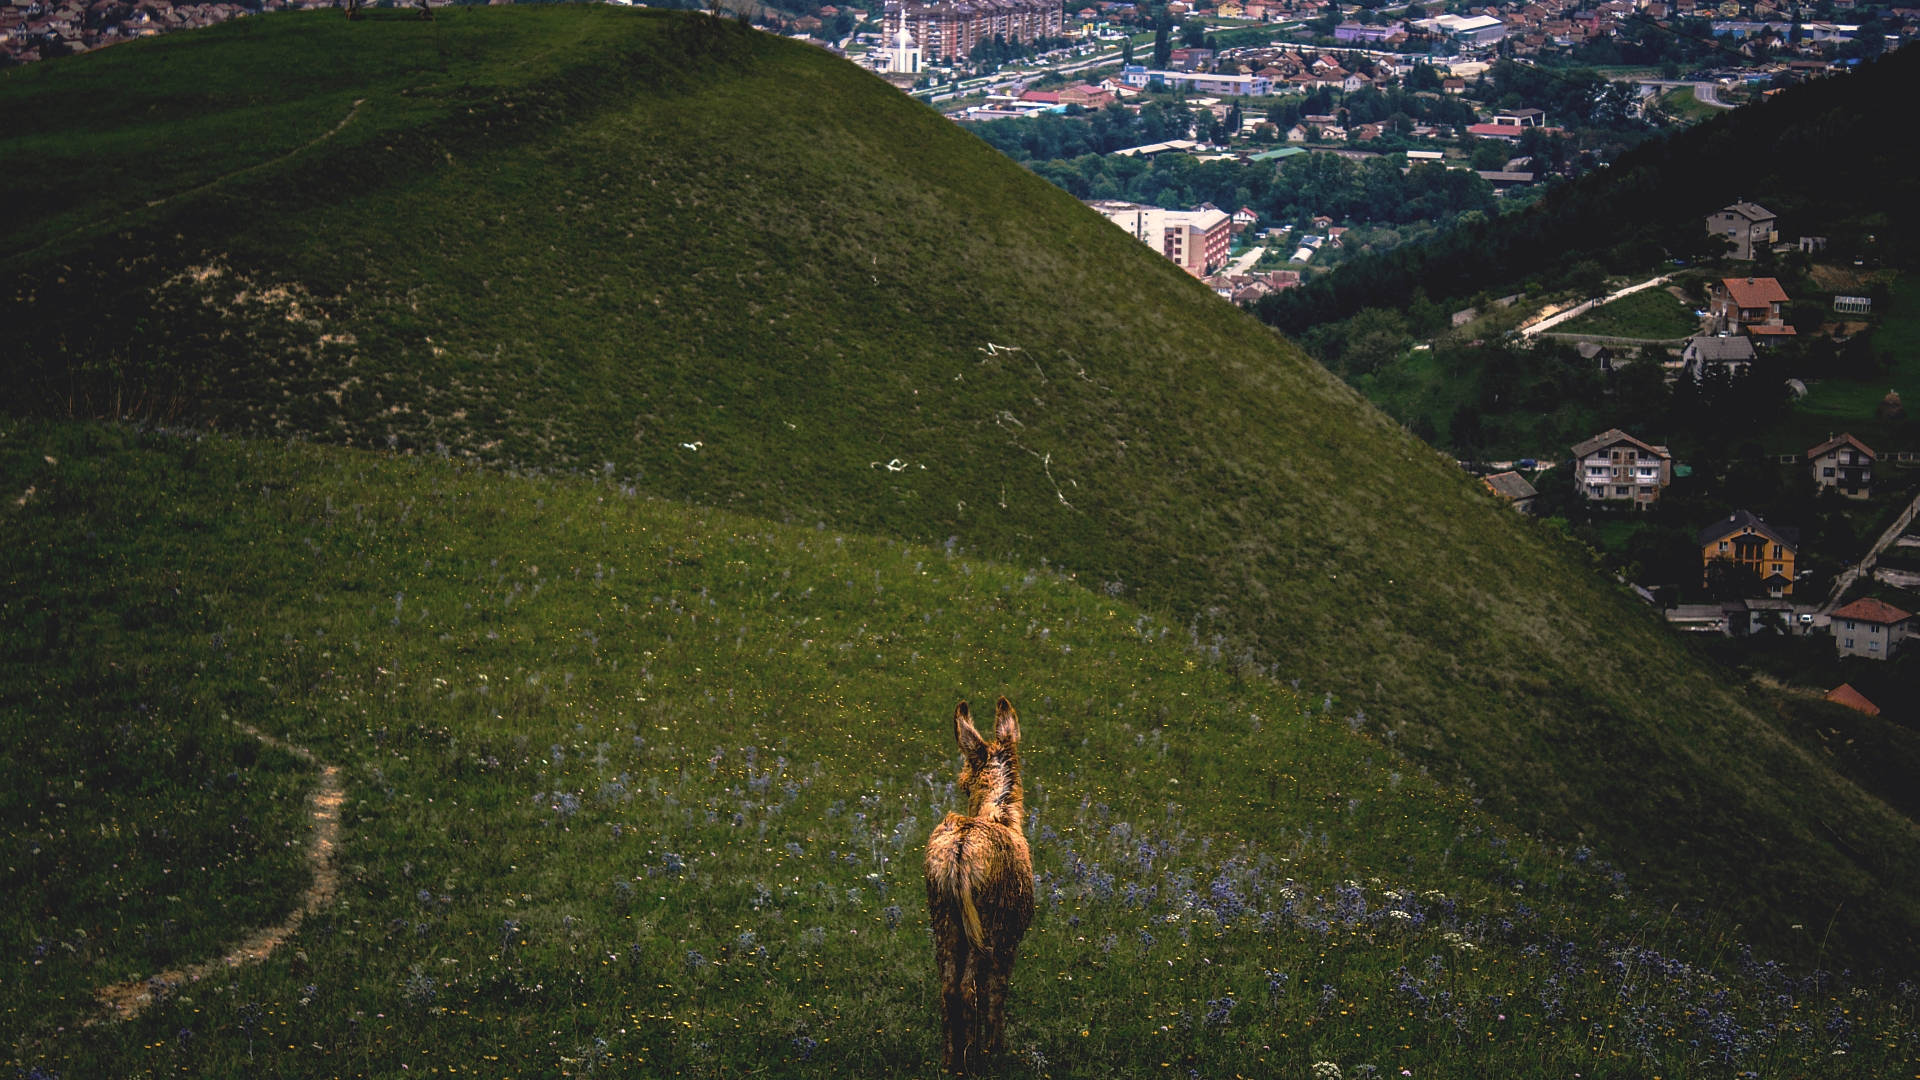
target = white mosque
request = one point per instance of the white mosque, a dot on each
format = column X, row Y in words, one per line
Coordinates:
column 904, row 57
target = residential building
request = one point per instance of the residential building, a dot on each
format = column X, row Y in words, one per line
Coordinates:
column 949, row 29
column 1752, row 306
column 1523, row 118
column 1749, row 227
column 1843, row 464
column 1745, row 539
column 1512, row 487
column 1616, row 467
column 1596, row 354
column 1704, row 353
column 1196, row 240
column 1191, row 59
column 1869, row 628
column 1086, row 95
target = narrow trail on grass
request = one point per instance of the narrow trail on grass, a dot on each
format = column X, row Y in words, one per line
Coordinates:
column 125, row 1000
column 295, row 152
column 115, row 218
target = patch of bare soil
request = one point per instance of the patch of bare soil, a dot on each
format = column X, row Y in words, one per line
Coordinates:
column 125, row 1000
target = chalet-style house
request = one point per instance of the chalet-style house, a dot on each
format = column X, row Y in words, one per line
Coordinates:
column 1843, row 464
column 1514, row 488
column 1869, row 628
column 1752, row 306
column 1616, row 467
column 1749, row 227
column 1746, row 540
column 1704, row 353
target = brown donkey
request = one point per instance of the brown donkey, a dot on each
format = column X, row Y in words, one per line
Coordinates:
column 980, row 890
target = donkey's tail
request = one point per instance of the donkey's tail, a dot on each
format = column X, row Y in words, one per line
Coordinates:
column 970, row 915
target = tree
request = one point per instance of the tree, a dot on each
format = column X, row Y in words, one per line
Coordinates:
column 1490, row 155
column 1375, row 339
column 1729, row 580
column 1162, row 45
column 1587, row 278
column 1126, row 53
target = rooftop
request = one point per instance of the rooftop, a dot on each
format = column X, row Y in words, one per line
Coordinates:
column 1612, row 436
column 1750, row 211
column 1721, row 349
column 1754, row 292
column 1509, row 485
column 1845, row 694
column 1742, row 521
column 1838, row 441
column 1867, row 609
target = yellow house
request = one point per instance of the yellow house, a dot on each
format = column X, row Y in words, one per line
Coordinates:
column 1748, row 541
column 1231, row 10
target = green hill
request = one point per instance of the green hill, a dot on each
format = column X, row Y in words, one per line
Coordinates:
column 736, row 272
column 639, row 788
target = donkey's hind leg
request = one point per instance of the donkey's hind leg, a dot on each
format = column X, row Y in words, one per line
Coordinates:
column 949, row 946
column 976, row 979
column 995, row 1002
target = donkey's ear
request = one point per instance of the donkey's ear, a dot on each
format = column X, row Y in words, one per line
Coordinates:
column 1006, row 723
column 972, row 746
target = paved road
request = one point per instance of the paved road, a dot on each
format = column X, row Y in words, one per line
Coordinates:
column 1846, row 579
column 1577, row 310
column 1245, row 262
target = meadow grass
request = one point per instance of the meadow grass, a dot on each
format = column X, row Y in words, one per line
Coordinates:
column 1649, row 313
column 1686, row 106
column 636, row 786
column 1833, row 405
column 736, row 272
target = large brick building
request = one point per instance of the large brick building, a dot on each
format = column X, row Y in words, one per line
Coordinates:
column 949, row 29
column 1196, row 240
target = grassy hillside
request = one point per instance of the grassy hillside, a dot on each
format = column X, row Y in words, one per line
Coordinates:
column 639, row 788
column 735, row 271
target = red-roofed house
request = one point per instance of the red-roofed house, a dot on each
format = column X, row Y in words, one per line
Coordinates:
column 1751, row 306
column 1843, row 464
column 1869, row 628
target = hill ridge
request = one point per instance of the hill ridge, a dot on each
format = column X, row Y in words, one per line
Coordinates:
column 746, row 289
